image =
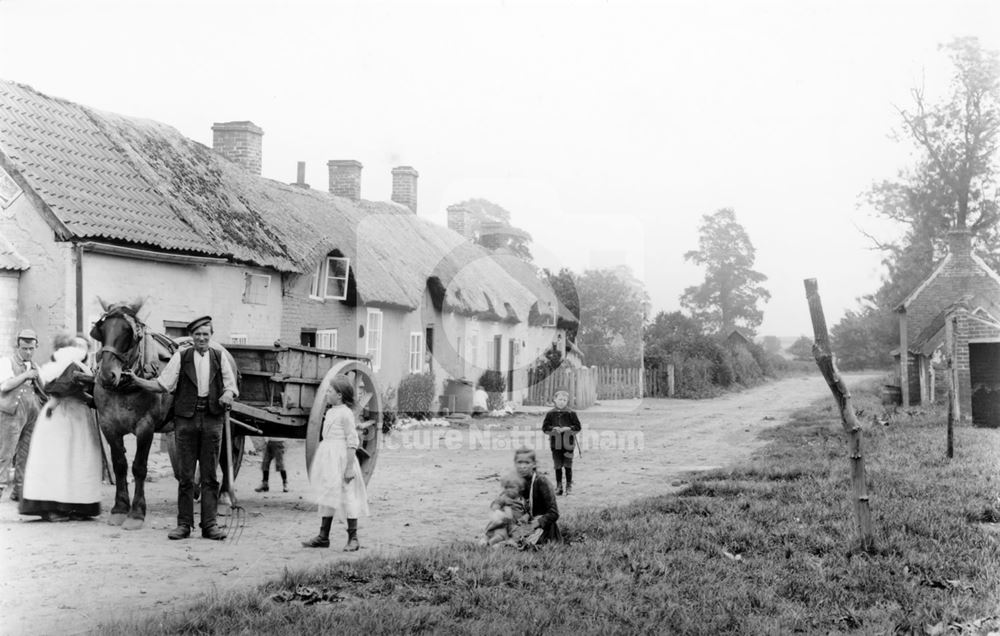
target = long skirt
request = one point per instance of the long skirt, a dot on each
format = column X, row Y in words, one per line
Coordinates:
column 63, row 470
column 334, row 497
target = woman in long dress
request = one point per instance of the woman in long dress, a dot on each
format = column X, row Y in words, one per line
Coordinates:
column 62, row 476
column 336, row 473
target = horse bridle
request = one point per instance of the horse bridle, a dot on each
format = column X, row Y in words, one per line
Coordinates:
column 130, row 362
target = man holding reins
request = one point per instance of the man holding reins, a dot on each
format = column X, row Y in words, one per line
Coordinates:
column 204, row 384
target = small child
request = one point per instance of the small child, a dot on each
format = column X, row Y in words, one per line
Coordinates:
column 561, row 425
column 273, row 449
column 507, row 510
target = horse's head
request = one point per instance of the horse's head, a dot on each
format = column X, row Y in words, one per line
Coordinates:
column 119, row 332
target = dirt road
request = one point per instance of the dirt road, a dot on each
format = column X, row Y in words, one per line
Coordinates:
column 65, row 578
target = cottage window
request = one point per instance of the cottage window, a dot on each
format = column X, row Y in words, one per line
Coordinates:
column 238, row 338
column 330, row 279
column 326, row 339
column 255, row 289
column 474, row 349
column 174, row 328
column 416, row 352
column 336, row 278
column 373, row 335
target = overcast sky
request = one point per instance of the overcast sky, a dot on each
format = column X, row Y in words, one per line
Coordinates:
column 607, row 129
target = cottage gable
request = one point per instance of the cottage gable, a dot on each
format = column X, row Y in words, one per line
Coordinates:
column 960, row 275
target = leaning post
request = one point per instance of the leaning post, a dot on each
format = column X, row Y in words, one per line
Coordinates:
column 852, row 427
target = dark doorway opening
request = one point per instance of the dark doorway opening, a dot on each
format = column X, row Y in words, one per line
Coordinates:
column 984, row 373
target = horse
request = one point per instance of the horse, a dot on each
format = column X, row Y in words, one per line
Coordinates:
column 128, row 346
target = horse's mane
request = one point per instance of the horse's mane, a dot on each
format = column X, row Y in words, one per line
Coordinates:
column 132, row 308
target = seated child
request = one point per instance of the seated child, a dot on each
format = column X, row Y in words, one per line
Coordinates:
column 507, row 511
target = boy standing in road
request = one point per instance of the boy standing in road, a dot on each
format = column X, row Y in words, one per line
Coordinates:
column 561, row 425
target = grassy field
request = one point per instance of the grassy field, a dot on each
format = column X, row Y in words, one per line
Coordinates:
column 761, row 548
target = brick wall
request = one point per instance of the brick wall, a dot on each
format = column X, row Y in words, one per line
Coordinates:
column 46, row 297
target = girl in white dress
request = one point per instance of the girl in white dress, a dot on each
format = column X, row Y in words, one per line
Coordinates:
column 336, row 473
column 62, row 476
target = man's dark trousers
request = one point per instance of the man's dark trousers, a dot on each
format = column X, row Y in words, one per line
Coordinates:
column 198, row 441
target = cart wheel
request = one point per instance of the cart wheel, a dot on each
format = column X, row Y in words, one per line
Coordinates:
column 367, row 412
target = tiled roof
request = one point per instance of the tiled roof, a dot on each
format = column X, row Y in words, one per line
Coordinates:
column 9, row 258
column 130, row 181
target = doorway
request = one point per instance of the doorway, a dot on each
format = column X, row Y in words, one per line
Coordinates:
column 984, row 373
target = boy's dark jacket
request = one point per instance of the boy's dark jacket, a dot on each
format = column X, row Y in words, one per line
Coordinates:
column 561, row 417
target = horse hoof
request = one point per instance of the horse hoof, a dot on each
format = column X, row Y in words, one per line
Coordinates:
column 132, row 524
column 116, row 519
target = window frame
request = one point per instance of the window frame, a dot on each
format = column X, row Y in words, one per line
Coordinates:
column 320, row 333
column 321, row 277
column 248, row 278
column 416, row 359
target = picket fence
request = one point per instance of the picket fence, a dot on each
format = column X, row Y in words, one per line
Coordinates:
column 580, row 383
column 619, row 384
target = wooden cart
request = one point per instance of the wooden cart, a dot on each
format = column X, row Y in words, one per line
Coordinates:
column 283, row 393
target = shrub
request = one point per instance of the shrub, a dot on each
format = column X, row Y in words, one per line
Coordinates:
column 416, row 395
column 495, row 386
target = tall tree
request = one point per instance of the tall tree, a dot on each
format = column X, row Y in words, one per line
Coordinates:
column 732, row 289
column 613, row 307
column 958, row 135
column 564, row 285
column 954, row 183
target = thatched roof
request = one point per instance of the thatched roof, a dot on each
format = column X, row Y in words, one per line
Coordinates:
column 116, row 179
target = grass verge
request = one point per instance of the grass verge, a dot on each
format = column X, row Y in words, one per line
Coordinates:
column 760, row 548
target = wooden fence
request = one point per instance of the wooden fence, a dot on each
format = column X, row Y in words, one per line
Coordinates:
column 619, row 384
column 659, row 383
column 581, row 384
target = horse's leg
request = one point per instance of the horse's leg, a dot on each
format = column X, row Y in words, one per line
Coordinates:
column 120, row 464
column 143, row 442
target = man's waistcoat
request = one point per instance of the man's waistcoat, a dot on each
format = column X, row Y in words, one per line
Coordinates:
column 186, row 395
column 11, row 400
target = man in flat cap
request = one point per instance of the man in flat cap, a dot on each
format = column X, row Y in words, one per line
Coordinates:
column 21, row 397
column 204, row 384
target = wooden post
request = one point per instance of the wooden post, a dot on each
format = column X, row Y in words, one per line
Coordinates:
column 904, row 361
column 828, row 367
column 949, row 345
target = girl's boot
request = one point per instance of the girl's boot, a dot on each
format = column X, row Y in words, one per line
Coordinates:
column 322, row 540
column 352, row 536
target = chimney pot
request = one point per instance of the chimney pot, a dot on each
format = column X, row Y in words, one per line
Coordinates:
column 240, row 142
column 404, row 187
column 300, row 176
column 345, row 178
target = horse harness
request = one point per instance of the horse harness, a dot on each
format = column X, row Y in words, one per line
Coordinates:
column 135, row 359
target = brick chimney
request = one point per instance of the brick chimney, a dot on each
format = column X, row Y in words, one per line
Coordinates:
column 239, row 141
column 345, row 178
column 460, row 220
column 300, row 176
column 404, row 187
column 960, row 243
